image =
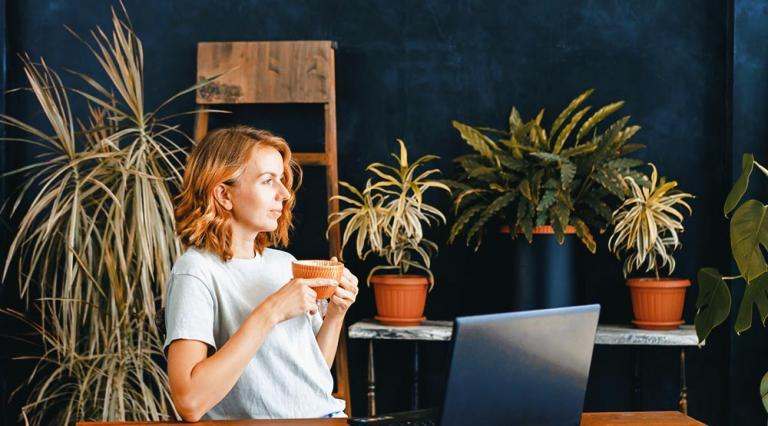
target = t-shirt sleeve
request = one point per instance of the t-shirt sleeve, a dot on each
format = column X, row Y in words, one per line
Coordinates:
column 190, row 311
column 317, row 319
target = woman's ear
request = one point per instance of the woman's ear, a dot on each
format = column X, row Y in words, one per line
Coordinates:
column 222, row 196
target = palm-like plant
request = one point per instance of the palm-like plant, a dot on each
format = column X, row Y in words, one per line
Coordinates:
column 96, row 242
column 388, row 215
column 647, row 225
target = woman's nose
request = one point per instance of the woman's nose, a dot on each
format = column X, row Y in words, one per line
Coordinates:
column 283, row 192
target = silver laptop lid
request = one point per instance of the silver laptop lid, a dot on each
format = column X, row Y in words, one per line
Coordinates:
column 520, row 368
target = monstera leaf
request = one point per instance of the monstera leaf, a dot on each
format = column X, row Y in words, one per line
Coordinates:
column 713, row 303
column 755, row 293
column 749, row 231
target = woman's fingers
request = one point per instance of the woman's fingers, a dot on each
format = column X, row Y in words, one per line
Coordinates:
column 344, row 294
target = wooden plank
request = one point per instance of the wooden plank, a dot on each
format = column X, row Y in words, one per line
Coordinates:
column 201, row 123
column 250, row 422
column 265, row 72
column 647, row 418
column 310, row 158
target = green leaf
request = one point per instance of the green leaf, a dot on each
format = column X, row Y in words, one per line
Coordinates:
column 477, row 140
column 462, row 221
column 493, row 209
column 524, row 220
column 597, row 117
column 546, row 200
column 764, row 391
column 514, row 120
column 567, row 172
column 749, row 229
column 582, row 149
column 713, row 304
column 624, row 163
column 563, row 136
column 510, row 161
column 756, row 292
column 610, row 182
column 548, row 157
column 582, row 231
column 630, row 148
column 568, row 110
column 525, row 189
column 740, row 187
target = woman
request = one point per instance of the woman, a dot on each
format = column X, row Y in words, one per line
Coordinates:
column 245, row 339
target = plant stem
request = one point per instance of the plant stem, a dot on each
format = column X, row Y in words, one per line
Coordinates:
column 656, row 270
column 762, row 169
column 735, row 277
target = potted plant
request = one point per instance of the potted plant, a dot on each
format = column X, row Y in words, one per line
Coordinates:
column 388, row 217
column 531, row 180
column 748, row 240
column 646, row 228
column 95, row 240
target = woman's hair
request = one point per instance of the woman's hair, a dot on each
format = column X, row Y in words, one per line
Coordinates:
column 221, row 157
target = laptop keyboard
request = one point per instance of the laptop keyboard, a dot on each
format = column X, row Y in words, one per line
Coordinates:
column 425, row 417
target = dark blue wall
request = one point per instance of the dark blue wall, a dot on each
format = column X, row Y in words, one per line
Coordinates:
column 687, row 70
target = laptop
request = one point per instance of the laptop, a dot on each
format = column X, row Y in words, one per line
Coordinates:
column 516, row 368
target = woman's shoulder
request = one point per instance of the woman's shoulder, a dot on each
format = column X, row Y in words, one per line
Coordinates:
column 196, row 262
column 271, row 254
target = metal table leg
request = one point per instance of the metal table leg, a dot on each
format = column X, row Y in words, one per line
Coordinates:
column 636, row 381
column 371, row 382
column 415, row 395
column 683, row 386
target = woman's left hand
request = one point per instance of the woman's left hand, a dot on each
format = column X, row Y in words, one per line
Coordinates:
column 345, row 295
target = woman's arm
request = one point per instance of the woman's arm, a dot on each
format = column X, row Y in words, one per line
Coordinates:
column 328, row 336
column 199, row 382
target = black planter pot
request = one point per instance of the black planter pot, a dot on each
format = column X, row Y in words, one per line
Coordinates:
column 544, row 272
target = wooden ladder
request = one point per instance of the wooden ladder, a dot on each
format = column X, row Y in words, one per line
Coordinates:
column 280, row 72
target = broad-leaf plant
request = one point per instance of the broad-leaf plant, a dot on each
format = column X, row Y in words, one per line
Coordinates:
column 571, row 172
column 749, row 239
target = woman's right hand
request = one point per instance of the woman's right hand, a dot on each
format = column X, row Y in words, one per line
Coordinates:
column 296, row 297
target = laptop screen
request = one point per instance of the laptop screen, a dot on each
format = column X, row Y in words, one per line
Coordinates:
column 521, row 368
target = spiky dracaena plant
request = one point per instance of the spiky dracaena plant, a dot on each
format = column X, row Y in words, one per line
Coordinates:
column 647, row 224
column 387, row 216
column 529, row 176
column 96, row 242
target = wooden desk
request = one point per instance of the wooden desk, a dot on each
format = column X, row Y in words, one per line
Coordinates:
column 650, row 418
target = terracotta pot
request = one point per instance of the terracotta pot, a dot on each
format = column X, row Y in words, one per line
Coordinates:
column 541, row 230
column 658, row 304
column 400, row 299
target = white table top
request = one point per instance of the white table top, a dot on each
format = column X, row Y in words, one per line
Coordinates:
column 606, row 334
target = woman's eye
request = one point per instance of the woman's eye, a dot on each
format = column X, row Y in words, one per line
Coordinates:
column 268, row 181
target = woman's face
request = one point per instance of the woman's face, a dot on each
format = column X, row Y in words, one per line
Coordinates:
column 258, row 195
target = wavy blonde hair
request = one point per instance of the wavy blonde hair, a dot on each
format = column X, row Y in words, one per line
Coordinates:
column 221, row 157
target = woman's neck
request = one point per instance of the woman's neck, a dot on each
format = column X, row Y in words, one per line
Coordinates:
column 243, row 244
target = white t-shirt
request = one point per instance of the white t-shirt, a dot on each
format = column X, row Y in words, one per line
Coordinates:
column 209, row 299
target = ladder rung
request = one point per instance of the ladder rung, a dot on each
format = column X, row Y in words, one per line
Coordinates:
column 311, row 158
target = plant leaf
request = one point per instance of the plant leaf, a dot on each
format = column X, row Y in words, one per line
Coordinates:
column 599, row 116
column 713, row 303
column 756, row 292
column 740, row 187
column 476, row 139
column 567, row 173
column 749, row 229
